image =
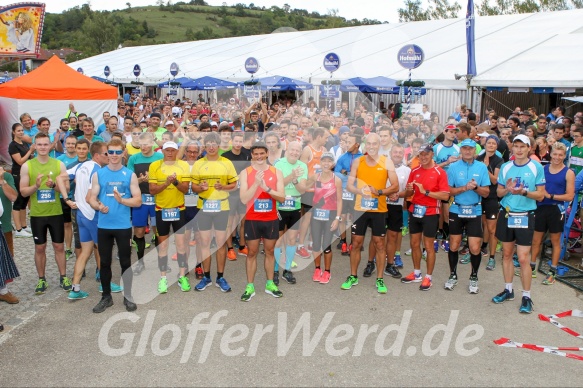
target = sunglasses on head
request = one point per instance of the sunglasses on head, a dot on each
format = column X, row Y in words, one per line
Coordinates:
column 114, row 152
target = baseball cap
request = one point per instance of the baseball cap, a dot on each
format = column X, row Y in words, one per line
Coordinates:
column 426, row 148
column 451, row 126
column 468, row 143
column 214, row 124
column 522, row 138
column 328, row 155
column 483, row 134
column 170, row 144
column 527, row 113
column 169, row 122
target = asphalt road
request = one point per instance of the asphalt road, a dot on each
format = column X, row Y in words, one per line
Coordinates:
column 316, row 335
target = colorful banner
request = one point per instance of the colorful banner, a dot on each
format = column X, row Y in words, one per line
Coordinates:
column 21, row 27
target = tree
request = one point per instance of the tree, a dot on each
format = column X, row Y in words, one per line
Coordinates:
column 506, row 7
column 412, row 12
column 189, row 35
column 129, row 6
column 99, row 33
column 438, row 9
column 286, row 8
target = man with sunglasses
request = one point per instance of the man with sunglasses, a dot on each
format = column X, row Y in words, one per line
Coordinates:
column 114, row 190
column 213, row 176
column 140, row 165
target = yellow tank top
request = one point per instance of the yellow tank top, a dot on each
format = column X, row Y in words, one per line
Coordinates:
column 375, row 176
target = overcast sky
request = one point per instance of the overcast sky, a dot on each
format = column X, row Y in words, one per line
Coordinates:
column 382, row 10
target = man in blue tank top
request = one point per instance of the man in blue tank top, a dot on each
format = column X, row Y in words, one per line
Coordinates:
column 550, row 212
column 521, row 183
column 114, row 191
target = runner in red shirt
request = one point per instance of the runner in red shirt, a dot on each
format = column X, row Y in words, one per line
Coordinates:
column 429, row 187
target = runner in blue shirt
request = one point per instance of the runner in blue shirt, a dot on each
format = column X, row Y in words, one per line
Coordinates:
column 521, row 183
column 468, row 182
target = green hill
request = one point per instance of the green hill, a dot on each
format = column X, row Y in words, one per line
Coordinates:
column 95, row 32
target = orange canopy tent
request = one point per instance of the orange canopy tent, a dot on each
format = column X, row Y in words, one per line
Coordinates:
column 47, row 91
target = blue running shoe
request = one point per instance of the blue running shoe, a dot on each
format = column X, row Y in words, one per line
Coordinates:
column 203, row 284
column 78, row 295
column 526, row 306
column 223, row 285
column 515, row 261
column 503, row 297
column 97, row 275
column 398, row 261
column 114, row 288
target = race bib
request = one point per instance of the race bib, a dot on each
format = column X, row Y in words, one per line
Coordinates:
column 347, row 195
column 211, row 206
column 288, row 204
column 45, row 196
column 369, row 204
column 419, row 211
column 263, row 205
column 467, row 211
column 518, row 220
column 147, row 199
column 321, row 215
column 172, row 214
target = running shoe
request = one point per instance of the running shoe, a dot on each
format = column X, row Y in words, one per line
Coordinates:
column 68, row 254
column 440, row 234
column 23, row 233
column 276, row 278
column 248, row 294
column 184, row 284
column 294, row 264
column 76, row 295
column 350, row 281
column 404, row 231
column 66, row 284
column 370, row 269
column 317, row 276
column 223, row 285
column 398, row 261
column 465, row 259
column 310, row 247
column 271, row 289
column 408, row 252
column 503, row 296
column 104, row 303
column 139, row 268
column 198, row 273
column 411, row 278
column 526, row 305
column 174, row 257
column 485, row 251
column 289, row 277
column 391, row 270
column 163, row 286
column 192, row 243
column 436, row 246
column 153, row 239
column 325, row 278
column 130, row 306
column 515, row 261
column 381, row 288
column 465, row 250
column 491, row 264
column 549, row 280
column 517, row 273
column 425, row 284
column 498, row 246
column 302, row 252
column 244, row 251
column 203, row 284
column 340, row 243
column 424, row 254
column 473, row 287
column 135, row 245
column 97, row 275
column 114, row 288
column 344, row 249
column 451, row 282
column 444, row 245
column 231, row 255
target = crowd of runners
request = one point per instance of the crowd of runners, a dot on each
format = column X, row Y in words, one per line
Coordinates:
column 287, row 182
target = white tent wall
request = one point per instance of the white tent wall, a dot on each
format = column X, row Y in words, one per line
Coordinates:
column 54, row 110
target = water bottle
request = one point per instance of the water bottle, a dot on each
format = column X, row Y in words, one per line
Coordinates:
column 435, row 246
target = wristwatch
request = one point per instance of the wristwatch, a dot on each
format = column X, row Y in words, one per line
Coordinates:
column 427, row 193
column 380, row 192
column 339, row 218
column 553, row 196
column 295, row 182
column 175, row 183
column 524, row 192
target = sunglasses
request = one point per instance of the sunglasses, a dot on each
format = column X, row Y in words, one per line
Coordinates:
column 114, row 152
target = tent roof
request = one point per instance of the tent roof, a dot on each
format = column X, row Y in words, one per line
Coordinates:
column 54, row 80
column 208, row 83
column 511, row 50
